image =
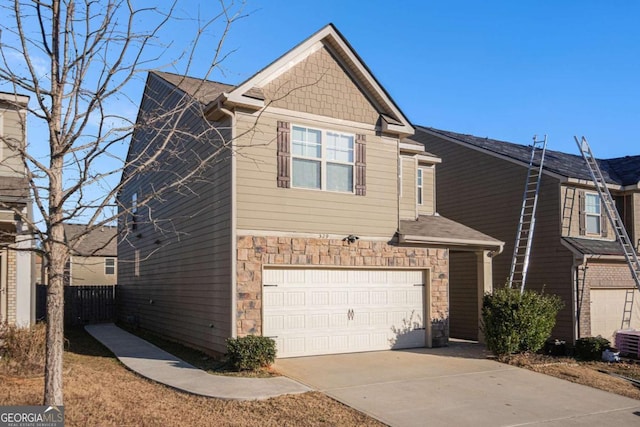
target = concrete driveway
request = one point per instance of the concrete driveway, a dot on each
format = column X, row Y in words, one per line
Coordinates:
column 456, row 386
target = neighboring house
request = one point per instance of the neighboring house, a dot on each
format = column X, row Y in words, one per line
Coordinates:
column 317, row 227
column 574, row 252
column 17, row 291
column 94, row 258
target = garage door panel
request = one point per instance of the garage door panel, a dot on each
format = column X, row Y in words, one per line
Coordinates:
column 317, row 317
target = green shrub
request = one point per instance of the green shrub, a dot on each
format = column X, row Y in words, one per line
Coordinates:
column 250, row 353
column 513, row 322
column 590, row 348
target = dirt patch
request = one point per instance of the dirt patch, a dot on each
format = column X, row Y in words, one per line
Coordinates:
column 592, row 374
column 100, row 391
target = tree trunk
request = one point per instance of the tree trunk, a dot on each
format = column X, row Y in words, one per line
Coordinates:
column 53, row 394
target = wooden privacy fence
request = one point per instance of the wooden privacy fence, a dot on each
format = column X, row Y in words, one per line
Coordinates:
column 82, row 304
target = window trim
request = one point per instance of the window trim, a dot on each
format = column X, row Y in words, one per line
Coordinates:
column 136, row 263
column 587, row 214
column 419, row 186
column 323, row 159
column 106, row 266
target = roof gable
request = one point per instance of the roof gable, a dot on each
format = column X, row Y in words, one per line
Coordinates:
column 329, row 39
column 319, row 85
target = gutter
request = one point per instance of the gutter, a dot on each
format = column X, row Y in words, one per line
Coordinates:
column 458, row 242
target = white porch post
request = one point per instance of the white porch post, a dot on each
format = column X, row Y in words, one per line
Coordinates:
column 485, row 283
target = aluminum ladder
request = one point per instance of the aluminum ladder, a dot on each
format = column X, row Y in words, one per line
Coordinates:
column 526, row 225
column 618, row 226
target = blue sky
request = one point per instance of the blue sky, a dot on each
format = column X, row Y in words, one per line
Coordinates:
column 502, row 69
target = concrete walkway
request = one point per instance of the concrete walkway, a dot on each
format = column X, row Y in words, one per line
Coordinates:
column 156, row 364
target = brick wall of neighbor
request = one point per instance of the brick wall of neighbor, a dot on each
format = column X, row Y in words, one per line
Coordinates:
column 255, row 252
column 11, row 286
column 600, row 275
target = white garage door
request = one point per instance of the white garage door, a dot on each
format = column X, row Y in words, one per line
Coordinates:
column 607, row 307
column 316, row 311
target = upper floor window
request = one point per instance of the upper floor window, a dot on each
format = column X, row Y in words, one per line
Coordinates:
column 322, row 160
column 134, row 211
column 592, row 213
column 109, row 266
column 419, row 187
column 136, row 263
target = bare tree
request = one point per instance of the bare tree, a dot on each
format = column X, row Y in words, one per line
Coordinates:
column 80, row 62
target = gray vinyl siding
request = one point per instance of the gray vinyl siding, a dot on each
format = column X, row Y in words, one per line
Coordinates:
column 261, row 205
column 463, row 295
column 11, row 133
column 485, row 192
column 184, row 238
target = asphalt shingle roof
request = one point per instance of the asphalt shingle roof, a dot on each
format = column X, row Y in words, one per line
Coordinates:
column 98, row 242
column 204, row 91
column 439, row 227
column 595, row 247
column 621, row 171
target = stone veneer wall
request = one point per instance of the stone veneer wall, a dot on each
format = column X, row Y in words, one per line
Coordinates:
column 256, row 252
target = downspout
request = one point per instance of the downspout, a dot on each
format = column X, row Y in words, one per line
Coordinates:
column 575, row 269
column 399, row 184
column 234, row 237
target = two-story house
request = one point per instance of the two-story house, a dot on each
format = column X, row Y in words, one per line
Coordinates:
column 17, row 294
column 314, row 224
column 574, row 254
column 94, row 255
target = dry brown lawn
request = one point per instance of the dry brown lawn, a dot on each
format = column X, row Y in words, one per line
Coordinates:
column 99, row 391
column 586, row 373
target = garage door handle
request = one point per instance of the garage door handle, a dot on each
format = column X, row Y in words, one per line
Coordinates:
column 350, row 314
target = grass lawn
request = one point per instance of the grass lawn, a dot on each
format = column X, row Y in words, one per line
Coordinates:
column 99, row 391
column 592, row 374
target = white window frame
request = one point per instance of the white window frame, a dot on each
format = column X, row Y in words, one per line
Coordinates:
column 107, row 266
column 588, row 214
column 419, row 186
column 323, row 159
column 136, row 263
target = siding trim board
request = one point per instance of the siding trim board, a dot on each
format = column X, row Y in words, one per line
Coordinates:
column 361, row 165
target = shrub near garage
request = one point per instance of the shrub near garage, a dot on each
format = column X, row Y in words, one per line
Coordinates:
column 514, row 322
column 590, row 348
column 250, row 353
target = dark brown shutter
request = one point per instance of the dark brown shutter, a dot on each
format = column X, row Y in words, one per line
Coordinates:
column 361, row 165
column 604, row 221
column 284, row 153
column 582, row 216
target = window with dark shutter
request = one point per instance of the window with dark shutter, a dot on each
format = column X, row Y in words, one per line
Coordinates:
column 361, row 165
column 284, row 153
column 581, row 220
